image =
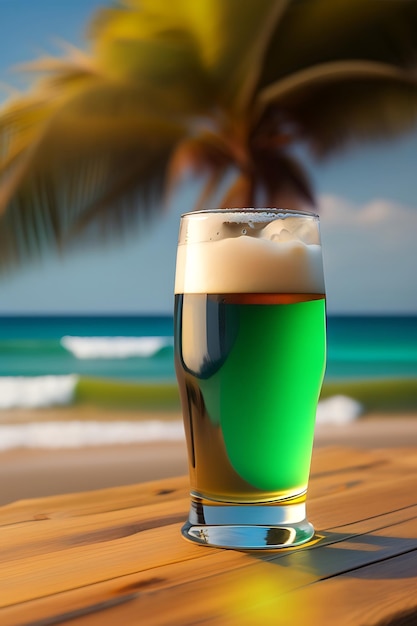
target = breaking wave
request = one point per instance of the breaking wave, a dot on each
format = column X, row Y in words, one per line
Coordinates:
column 338, row 410
column 37, row 391
column 115, row 347
column 77, row 434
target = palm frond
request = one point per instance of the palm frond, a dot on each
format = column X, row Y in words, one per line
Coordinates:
column 85, row 174
column 152, row 47
column 333, row 72
column 204, row 156
column 219, row 87
column 210, row 188
column 240, row 193
column 284, row 181
column 246, row 74
column 332, row 116
column 311, row 33
column 331, row 104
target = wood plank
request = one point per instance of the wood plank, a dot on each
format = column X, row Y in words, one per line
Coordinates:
column 36, row 517
column 342, row 469
column 361, row 501
column 403, row 458
column 258, row 595
column 290, row 569
column 83, row 549
column 370, row 595
column 330, row 460
column 60, row 533
column 338, row 476
column 277, row 593
column 54, row 535
column 327, row 462
column 207, row 563
column 50, row 573
column 338, row 459
column 89, row 502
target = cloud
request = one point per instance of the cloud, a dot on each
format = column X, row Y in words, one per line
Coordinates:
column 370, row 254
column 337, row 210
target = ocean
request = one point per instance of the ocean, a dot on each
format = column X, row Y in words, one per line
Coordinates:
column 44, row 360
column 132, row 348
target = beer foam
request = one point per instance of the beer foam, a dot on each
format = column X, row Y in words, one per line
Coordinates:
column 250, row 254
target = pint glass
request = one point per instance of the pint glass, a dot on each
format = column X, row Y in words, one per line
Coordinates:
column 250, row 358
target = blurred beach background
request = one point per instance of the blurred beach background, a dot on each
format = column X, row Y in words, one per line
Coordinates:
column 88, row 397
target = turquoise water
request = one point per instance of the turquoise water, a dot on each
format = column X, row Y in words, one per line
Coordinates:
column 371, row 347
column 358, row 347
column 35, row 346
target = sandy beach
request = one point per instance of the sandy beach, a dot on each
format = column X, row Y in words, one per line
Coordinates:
column 31, row 473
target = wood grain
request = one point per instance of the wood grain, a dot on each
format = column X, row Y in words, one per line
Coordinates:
column 116, row 556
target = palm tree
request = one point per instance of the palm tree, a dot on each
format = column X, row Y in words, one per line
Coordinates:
column 224, row 89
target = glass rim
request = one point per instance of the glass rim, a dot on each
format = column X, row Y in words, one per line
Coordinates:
column 253, row 210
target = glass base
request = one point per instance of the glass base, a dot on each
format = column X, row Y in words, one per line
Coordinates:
column 248, row 526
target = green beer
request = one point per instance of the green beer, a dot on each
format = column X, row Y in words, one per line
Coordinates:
column 250, row 358
column 250, row 406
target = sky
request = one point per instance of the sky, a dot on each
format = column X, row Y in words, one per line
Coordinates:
column 367, row 199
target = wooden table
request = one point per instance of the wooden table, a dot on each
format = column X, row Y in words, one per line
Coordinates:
column 116, row 556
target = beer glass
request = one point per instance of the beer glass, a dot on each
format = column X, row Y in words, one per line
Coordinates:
column 250, row 358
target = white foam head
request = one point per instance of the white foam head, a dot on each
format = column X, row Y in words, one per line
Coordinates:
column 249, row 251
